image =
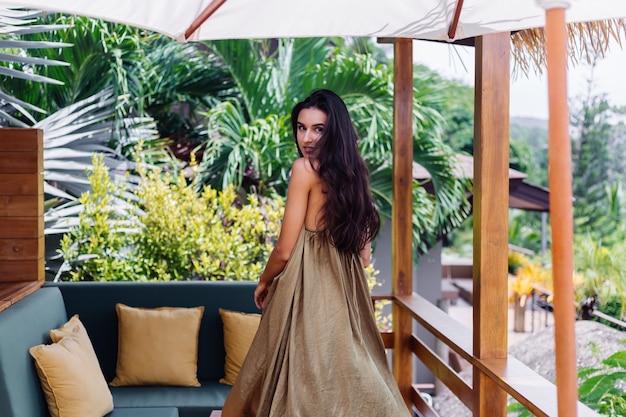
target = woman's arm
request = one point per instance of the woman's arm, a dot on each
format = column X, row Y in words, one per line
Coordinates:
column 302, row 179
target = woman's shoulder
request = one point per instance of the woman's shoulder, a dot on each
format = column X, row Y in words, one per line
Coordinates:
column 303, row 174
column 303, row 166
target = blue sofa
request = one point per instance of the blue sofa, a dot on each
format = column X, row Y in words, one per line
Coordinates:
column 28, row 322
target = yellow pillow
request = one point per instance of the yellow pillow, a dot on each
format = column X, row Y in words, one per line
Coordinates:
column 70, row 374
column 239, row 330
column 157, row 346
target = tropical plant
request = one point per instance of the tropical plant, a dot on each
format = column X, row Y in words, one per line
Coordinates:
column 250, row 144
column 591, row 168
column 526, row 278
column 516, row 260
column 602, row 272
column 268, row 77
column 149, row 76
column 15, row 63
column 71, row 137
column 601, row 388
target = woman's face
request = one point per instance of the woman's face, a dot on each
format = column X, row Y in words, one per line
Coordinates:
column 311, row 124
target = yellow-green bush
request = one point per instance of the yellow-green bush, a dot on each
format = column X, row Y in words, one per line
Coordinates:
column 94, row 249
column 171, row 233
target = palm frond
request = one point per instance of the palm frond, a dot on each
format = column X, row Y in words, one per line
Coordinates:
column 72, row 135
column 15, row 23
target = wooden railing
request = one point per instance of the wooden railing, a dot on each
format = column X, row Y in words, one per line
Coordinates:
column 526, row 386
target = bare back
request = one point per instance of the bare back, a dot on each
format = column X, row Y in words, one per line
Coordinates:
column 315, row 206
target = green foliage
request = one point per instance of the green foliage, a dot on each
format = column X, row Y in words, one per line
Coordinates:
column 602, row 388
column 601, row 269
column 516, row 260
column 591, row 168
column 93, row 249
column 16, row 64
column 170, row 232
column 611, row 306
column 383, row 321
column 525, row 229
column 250, row 144
column 529, row 150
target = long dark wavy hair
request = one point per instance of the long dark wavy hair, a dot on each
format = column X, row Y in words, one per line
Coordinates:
column 349, row 215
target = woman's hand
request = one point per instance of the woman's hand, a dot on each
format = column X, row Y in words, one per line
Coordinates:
column 260, row 293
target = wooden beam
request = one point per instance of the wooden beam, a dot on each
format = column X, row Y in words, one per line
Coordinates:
column 401, row 223
column 491, row 192
column 443, row 371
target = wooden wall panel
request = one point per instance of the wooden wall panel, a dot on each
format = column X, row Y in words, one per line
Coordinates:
column 21, row 162
column 21, row 208
column 22, row 270
column 21, row 184
column 26, row 249
column 21, row 227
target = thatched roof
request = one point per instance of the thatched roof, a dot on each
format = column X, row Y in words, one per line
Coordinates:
column 587, row 42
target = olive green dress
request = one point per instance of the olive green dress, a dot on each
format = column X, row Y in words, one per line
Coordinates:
column 317, row 351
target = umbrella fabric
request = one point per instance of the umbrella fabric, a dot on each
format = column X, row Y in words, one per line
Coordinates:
column 236, row 19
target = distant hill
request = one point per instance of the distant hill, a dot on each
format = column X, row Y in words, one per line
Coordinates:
column 530, row 122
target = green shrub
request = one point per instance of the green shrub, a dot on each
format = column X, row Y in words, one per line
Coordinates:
column 169, row 232
column 94, row 249
column 602, row 388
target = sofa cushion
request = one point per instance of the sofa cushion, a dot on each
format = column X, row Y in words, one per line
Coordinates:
column 191, row 402
column 239, row 331
column 95, row 302
column 23, row 325
column 157, row 346
column 70, row 375
column 144, row 412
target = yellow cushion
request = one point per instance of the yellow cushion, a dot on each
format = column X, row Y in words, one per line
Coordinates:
column 239, row 330
column 70, row 374
column 157, row 346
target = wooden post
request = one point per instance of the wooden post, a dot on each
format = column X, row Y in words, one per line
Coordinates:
column 21, row 205
column 401, row 223
column 491, row 191
column 561, row 210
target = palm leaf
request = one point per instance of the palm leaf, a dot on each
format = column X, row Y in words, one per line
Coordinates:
column 13, row 24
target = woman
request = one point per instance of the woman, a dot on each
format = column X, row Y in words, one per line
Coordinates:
column 317, row 351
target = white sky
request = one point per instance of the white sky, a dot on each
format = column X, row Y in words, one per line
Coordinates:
column 529, row 96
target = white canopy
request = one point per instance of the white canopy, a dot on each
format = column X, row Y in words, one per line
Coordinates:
column 418, row 19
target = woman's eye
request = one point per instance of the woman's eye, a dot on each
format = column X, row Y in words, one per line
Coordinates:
column 319, row 129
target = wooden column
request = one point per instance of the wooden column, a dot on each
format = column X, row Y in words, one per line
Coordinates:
column 401, row 224
column 561, row 210
column 21, row 213
column 491, row 190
